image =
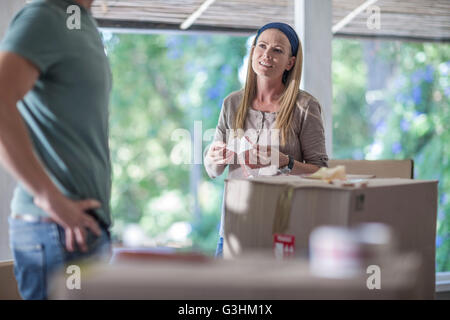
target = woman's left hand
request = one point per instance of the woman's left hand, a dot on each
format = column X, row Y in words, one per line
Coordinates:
column 262, row 156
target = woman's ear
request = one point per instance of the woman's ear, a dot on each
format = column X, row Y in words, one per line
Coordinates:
column 291, row 63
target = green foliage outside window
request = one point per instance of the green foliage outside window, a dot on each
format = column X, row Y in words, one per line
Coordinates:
column 390, row 101
column 164, row 83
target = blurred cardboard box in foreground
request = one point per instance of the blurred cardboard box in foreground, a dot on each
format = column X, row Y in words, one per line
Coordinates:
column 255, row 277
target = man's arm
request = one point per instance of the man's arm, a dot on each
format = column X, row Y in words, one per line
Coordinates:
column 17, row 77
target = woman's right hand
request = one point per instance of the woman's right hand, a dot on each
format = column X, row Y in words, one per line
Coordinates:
column 218, row 154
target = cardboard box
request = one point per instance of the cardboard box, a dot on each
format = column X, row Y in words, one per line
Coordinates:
column 8, row 283
column 255, row 277
column 379, row 168
column 255, row 209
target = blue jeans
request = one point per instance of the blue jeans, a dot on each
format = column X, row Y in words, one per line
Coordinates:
column 39, row 252
column 219, row 249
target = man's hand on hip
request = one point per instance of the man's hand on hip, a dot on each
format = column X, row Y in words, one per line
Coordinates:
column 72, row 217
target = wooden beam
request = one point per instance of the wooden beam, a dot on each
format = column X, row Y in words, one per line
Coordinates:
column 347, row 19
column 391, row 37
column 196, row 14
column 133, row 26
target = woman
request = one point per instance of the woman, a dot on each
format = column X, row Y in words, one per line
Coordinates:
column 270, row 106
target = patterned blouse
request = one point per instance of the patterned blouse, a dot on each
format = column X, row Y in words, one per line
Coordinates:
column 305, row 142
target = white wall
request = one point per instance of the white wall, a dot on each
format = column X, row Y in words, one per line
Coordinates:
column 313, row 23
column 7, row 10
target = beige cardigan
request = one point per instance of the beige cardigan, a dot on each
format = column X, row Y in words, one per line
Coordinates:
column 306, row 142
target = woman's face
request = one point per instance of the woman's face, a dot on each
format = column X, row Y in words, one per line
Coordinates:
column 271, row 54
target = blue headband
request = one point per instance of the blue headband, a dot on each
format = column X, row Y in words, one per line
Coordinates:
column 286, row 29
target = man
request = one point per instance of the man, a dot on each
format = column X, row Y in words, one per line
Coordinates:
column 54, row 92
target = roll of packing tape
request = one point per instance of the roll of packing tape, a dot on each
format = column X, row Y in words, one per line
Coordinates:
column 376, row 242
column 333, row 252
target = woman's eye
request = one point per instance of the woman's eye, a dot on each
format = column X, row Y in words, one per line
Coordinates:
column 262, row 46
column 278, row 51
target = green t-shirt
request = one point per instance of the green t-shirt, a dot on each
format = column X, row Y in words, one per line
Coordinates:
column 66, row 112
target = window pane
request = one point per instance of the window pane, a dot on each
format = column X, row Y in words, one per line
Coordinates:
column 391, row 100
column 167, row 92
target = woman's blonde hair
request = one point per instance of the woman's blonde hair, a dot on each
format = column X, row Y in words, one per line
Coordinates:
column 287, row 100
